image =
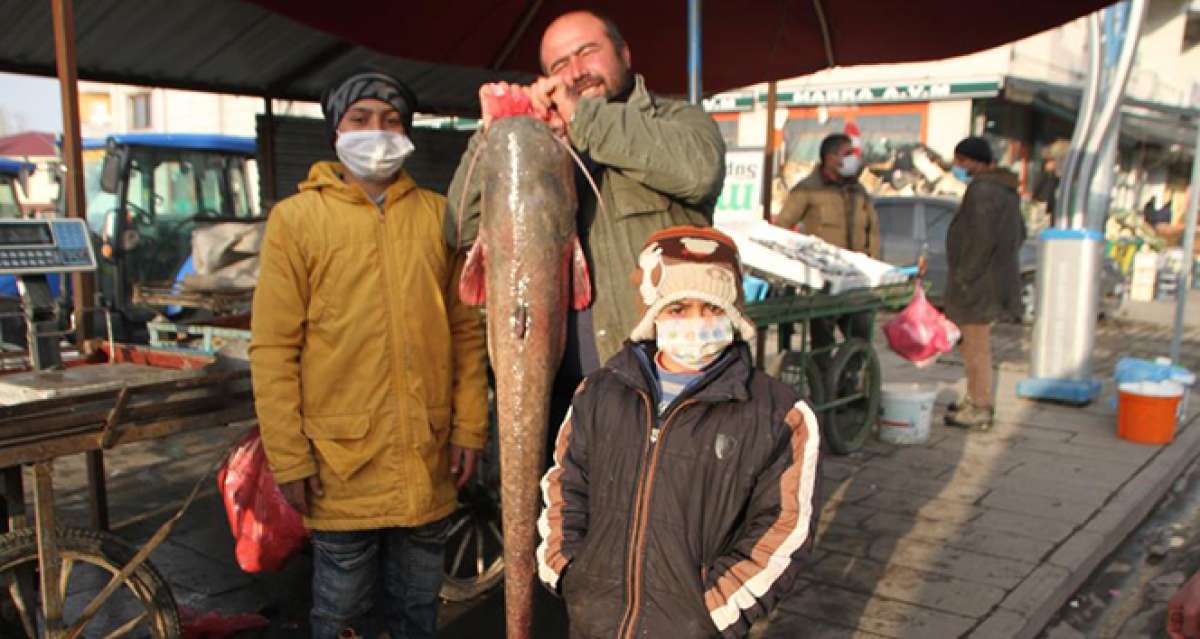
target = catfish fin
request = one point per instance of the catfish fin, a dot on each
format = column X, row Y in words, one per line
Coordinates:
column 581, row 281
column 472, row 284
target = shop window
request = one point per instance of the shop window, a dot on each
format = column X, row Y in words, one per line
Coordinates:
column 802, row 138
column 1191, row 33
column 881, row 136
column 139, row 111
column 729, row 130
column 884, row 134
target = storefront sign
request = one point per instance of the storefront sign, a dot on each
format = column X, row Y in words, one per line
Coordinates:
column 860, row 94
column 740, row 197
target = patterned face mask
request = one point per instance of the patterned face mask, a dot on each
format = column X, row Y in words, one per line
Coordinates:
column 694, row 343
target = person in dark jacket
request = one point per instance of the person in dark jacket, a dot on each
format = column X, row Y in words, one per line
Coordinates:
column 984, row 281
column 1046, row 190
column 682, row 501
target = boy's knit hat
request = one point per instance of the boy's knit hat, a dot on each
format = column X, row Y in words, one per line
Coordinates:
column 690, row 262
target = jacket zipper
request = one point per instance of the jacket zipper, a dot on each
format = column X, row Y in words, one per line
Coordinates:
column 392, row 342
column 633, row 563
column 652, row 421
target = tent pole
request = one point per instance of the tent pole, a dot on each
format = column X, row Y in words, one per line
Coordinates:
column 269, row 192
column 694, row 53
column 1189, row 251
column 83, row 284
column 768, row 177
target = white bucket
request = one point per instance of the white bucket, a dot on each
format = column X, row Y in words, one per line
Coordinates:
column 906, row 413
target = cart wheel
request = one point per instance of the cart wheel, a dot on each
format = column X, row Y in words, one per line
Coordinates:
column 799, row 370
column 142, row 607
column 474, row 561
column 853, row 387
column 475, row 546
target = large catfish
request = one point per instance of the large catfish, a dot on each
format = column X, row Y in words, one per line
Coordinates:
column 527, row 264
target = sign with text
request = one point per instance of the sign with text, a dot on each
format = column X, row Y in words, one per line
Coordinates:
column 741, row 196
column 855, row 94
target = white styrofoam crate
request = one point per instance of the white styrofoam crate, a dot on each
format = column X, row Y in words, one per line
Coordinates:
column 842, row 270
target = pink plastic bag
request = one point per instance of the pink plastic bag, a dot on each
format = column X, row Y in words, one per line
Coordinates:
column 267, row 529
column 920, row 332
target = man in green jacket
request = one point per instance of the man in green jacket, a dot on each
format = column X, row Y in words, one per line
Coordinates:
column 657, row 162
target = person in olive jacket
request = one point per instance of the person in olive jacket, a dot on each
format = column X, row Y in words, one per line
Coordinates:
column 832, row 204
column 984, row 283
column 683, row 497
column 657, row 163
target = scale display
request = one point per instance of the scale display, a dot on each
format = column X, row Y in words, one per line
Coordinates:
column 29, row 247
column 26, row 234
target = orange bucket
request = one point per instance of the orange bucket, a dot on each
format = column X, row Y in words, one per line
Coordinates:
column 1148, row 411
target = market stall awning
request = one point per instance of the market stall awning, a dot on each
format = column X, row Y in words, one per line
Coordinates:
column 1142, row 120
column 292, row 49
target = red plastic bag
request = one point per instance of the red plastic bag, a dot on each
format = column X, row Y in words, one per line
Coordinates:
column 267, row 529
column 920, row 332
column 506, row 102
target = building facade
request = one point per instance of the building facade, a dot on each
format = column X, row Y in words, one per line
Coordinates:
column 1023, row 96
column 107, row 109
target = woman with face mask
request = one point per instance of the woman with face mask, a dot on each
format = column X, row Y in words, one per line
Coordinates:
column 369, row 376
column 715, row 460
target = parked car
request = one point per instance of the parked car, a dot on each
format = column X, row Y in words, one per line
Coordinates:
column 914, row 225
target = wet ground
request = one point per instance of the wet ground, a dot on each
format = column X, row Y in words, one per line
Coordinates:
column 1126, row 597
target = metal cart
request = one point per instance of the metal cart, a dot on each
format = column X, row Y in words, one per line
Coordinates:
column 842, row 383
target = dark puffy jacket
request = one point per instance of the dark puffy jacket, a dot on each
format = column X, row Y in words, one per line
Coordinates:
column 688, row 525
column 983, row 249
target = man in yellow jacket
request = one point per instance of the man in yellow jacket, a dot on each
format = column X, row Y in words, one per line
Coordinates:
column 369, row 373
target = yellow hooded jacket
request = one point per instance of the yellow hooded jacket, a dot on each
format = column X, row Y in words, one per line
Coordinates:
column 366, row 365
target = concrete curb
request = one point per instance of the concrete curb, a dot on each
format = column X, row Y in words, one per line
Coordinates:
column 1083, row 551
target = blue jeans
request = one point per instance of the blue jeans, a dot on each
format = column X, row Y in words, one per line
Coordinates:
column 349, row 568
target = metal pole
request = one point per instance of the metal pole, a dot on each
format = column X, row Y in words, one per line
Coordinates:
column 1099, row 199
column 1108, row 114
column 1189, row 251
column 694, row 51
column 1083, row 123
column 84, row 284
column 768, row 176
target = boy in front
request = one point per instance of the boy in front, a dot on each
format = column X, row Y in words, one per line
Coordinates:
column 682, row 498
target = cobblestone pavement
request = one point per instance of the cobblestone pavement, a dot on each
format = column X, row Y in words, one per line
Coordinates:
column 980, row 535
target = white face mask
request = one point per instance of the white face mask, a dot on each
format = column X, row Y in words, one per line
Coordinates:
column 374, row 156
column 850, row 165
column 694, row 343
